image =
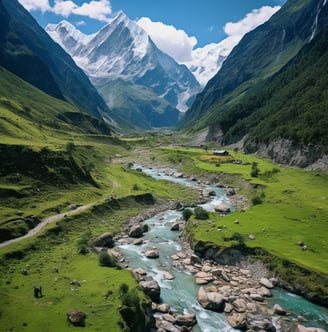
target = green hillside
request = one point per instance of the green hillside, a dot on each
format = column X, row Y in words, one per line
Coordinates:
column 290, row 105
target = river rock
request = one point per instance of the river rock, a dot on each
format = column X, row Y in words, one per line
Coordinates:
column 259, row 322
column 279, row 310
column 77, row 318
column 210, row 300
column 104, row 240
column 138, row 242
column 194, row 259
column 152, row 289
column 139, row 271
column 175, row 226
column 200, row 281
column 301, row 328
column 222, row 208
column 136, row 231
column 186, row 320
column 240, row 305
column 152, row 253
column 237, row 321
column 167, row 327
column 266, row 283
column 163, row 307
column 168, row 276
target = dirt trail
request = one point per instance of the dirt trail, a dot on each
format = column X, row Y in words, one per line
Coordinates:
column 42, row 224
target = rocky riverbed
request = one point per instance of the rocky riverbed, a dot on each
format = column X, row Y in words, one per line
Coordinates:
column 241, row 292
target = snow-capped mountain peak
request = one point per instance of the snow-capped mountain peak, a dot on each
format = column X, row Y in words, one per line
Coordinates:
column 122, row 51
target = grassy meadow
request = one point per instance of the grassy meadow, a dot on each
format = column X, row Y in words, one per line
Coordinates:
column 293, row 207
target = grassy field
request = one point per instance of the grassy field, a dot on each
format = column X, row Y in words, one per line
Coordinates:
column 294, row 208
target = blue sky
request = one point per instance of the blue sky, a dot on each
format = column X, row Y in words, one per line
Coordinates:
column 203, row 21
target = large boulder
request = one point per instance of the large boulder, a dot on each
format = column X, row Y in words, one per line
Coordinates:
column 186, row 320
column 105, row 240
column 136, row 231
column 152, row 289
column 259, row 322
column 301, row 328
column 237, row 321
column 211, row 300
column 222, row 208
column 152, row 253
column 77, row 318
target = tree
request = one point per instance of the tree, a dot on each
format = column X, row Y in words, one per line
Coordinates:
column 201, row 213
column 106, row 260
column 186, row 214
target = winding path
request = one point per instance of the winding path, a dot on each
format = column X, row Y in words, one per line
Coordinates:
column 44, row 223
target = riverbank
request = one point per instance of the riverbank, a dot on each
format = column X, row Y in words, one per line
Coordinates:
column 239, row 291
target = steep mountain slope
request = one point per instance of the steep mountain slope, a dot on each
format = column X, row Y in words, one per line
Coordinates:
column 260, row 54
column 28, row 51
column 30, row 116
column 123, row 52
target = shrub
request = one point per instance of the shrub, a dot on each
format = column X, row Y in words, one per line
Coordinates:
column 201, row 213
column 135, row 187
column 186, row 214
column 106, row 260
column 256, row 200
column 255, row 171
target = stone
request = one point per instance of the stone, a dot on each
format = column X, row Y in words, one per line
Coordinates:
column 228, row 308
column 266, row 283
column 237, row 321
column 194, row 259
column 138, row 242
column 139, row 271
column 77, row 318
column 301, row 328
column 210, row 300
column 175, row 227
column 168, row 276
column 279, row 310
column 263, row 291
column 152, row 289
column 136, row 231
column 259, row 322
column 152, row 253
column 222, row 208
column 186, row 320
column 240, row 305
column 200, row 281
column 105, row 240
column 163, row 307
column 168, row 326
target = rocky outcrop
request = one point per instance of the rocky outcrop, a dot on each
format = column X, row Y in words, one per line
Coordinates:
column 104, row 240
column 284, row 151
column 152, row 289
column 77, row 318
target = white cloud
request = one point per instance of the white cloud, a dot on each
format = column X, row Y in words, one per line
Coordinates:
column 95, row 9
column 237, row 30
column 168, row 39
column 64, row 8
column 42, row 5
column 81, row 23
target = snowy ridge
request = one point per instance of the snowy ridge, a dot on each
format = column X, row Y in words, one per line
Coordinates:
column 122, row 50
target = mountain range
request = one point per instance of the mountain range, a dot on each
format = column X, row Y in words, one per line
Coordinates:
column 270, row 94
column 269, row 97
column 123, row 63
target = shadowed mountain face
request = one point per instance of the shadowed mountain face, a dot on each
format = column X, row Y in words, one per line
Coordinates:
column 123, row 63
column 28, row 51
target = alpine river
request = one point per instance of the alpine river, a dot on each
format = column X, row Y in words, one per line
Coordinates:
column 180, row 293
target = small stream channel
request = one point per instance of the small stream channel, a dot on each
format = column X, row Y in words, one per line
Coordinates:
column 180, row 293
